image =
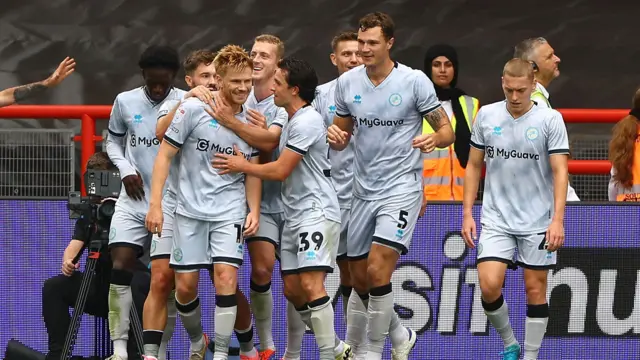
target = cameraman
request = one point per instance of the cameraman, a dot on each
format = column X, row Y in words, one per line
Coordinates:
column 60, row 292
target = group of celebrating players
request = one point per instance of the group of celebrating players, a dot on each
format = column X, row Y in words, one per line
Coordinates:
column 257, row 153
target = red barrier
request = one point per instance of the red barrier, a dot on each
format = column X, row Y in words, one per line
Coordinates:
column 88, row 114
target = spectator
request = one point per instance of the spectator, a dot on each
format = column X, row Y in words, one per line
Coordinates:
column 444, row 168
column 624, row 154
column 545, row 65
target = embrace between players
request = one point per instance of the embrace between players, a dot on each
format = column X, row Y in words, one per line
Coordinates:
column 287, row 167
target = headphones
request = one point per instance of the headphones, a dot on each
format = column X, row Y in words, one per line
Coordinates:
column 534, row 65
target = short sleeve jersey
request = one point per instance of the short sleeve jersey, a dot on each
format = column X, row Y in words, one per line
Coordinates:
column 276, row 116
column 341, row 161
column 135, row 116
column 518, row 191
column 308, row 192
column 387, row 117
column 203, row 193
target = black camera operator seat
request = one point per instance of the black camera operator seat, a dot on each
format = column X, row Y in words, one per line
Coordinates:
column 103, row 188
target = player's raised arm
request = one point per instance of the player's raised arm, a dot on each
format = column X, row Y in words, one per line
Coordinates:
column 19, row 93
column 258, row 137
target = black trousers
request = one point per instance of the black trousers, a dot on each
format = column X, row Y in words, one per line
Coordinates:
column 59, row 293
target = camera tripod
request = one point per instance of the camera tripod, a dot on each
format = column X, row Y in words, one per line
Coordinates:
column 96, row 245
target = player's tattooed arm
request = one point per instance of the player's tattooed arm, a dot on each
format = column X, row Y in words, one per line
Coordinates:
column 439, row 121
column 20, row 93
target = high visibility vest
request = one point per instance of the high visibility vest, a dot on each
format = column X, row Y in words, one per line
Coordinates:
column 537, row 95
column 443, row 175
column 632, row 193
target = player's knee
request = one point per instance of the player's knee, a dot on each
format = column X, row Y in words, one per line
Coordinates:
column 226, row 279
column 345, row 274
column 162, row 282
column 536, row 291
column 261, row 273
column 378, row 274
column 491, row 288
column 186, row 290
column 312, row 284
column 291, row 288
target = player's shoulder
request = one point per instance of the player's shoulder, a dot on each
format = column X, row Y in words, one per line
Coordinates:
column 136, row 94
column 497, row 107
column 177, row 94
column 547, row 114
column 409, row 72
column 326, row 88
column 309, row 118
column 355, row 73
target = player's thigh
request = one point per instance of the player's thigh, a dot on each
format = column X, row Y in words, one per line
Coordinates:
column 289, row 252
column 396, row 220
column 190, row 251
column 128, row 230
column 161, row 245
column 361, row 229
column 532, row 252
column 495, row 253
column 317, row 244
column 345, row 215
column 226, row 243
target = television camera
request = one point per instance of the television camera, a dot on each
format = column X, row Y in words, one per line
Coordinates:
column 103, row 188
column 97, row 208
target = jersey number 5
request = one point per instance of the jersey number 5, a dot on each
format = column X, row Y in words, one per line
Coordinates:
column 402, row 218
column 316, row 238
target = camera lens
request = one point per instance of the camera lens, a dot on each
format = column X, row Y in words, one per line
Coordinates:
column 107, row 209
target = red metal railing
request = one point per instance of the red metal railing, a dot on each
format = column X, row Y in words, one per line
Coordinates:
column 88, row 114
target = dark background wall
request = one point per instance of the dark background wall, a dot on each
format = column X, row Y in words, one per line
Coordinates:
column 597, row 41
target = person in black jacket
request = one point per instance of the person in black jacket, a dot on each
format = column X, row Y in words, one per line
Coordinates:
column 60, row 292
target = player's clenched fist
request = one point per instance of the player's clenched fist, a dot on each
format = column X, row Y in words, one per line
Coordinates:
column 154, row 220
column 337, row 137
column 425, row 142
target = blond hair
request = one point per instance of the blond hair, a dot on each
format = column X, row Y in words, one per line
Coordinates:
column 232, row 57
column 518, row 68
column 274, row 40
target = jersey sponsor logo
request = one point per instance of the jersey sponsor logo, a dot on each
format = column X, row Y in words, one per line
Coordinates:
column 178, row 117
column 206, row 145
column 357, row 99
column 532, row 133
column 509, row 154
column 376, row 122
column 395, row 99
column 143, row 141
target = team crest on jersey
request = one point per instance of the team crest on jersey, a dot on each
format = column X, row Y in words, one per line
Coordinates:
column 395, row 99
column 357, row 99
column 137, row 119
column 532, row 133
